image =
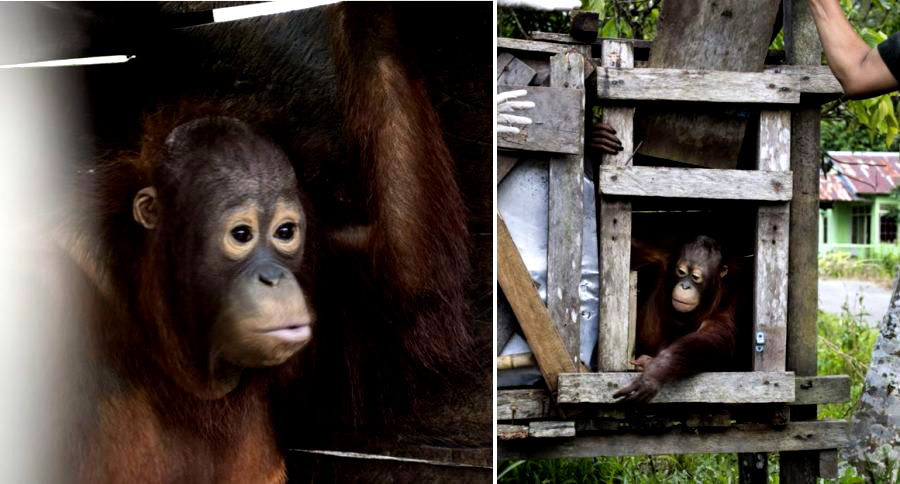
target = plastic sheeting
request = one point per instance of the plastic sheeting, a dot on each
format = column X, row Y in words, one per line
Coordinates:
column 522, row 199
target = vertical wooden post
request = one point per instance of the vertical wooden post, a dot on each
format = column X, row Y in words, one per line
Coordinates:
column 566, row 213
column 771, row 269
column 754, row 468
column 614, row 233
column 802, row 47
column 771, row 261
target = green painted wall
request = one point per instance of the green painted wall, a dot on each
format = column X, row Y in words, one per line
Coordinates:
column 839, row 227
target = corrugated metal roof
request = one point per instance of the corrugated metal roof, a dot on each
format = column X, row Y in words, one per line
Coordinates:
column 859, row 173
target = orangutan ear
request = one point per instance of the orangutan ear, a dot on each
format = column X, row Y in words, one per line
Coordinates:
column 145, row 208
column 724, row 271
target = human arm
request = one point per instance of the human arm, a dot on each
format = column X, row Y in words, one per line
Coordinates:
column 859, row 68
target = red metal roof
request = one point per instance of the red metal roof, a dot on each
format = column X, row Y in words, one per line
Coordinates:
column 856, row 174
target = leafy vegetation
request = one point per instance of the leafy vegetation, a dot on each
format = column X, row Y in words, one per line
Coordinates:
column 845, row 344
column 879, row 267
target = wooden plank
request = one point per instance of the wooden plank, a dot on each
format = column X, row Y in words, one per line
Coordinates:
column 802, row 47
column 774, row 145
column 522, row 404
column 511, row 432
column 614, row 237
column 566, row 213
column 725, row 35
column 514, row 72
column 770, row 263
column 647, row 181
column 557, row 120
column 551, row 429
column 614, row 234
column 503, row 60
column 808, row 79
column 740, row 438
column 539, row 330
column 632, row 312
column 567, row 39
column 651, row 84
column 753, row 468
column 541, row 66
column 531, row 46
column 618, row 54
column 505, row 164
column 828, row 464
column 808, row 390
column 718, row 387
column 816, row 390
column 771, row 287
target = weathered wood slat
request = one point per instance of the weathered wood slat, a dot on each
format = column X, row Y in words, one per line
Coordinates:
column 808, row 390
column 513, row 71
column 817, row 390
column 551, row 429
column 771, row 261
column 808, row 79
column 720, row 387
column 531, row 46
column 771, row 285
column 511, row 432
column 544, row 340
column 557, row 119
column 567, row 39
column 725, row 36
column 632, row 312
column 522, row 404
column 774, row 153
column 614, row 235
column 740, row 438
column 505, row 164
column 646, row 181
column 619, row 54
column 652, row 84
column 828, row 464
column 566, row 209
column 801, row 42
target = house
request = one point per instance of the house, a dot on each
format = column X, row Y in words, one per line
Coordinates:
column 858, row 204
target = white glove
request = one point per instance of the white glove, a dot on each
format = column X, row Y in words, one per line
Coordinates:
column 505, row 105
column 541, row 4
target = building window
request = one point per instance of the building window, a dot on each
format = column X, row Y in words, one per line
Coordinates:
column 860, row 224
column 824, row 230
column 887, row 222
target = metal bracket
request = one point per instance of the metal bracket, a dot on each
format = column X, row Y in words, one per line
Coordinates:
column 760, row 342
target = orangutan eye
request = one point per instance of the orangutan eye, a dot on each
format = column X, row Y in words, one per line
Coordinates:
column 286, row 231
column 696, row 277
column 680, row 272
column 242, row 234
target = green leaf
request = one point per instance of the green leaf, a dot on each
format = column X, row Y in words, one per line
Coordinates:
column 609, row 29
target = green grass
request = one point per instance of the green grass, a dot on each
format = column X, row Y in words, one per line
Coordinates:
column 844, row 348
column 879, row 266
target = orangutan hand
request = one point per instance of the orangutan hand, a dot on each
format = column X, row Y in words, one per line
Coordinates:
column 604, row 138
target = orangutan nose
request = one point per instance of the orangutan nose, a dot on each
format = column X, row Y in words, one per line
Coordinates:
column 271, row 276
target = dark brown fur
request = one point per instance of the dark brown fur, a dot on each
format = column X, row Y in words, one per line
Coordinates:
column 671, row 344
column 390, row 278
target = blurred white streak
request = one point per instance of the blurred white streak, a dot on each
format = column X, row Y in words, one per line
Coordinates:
column 38, row 336
column 81, row 61
column 266, row 8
